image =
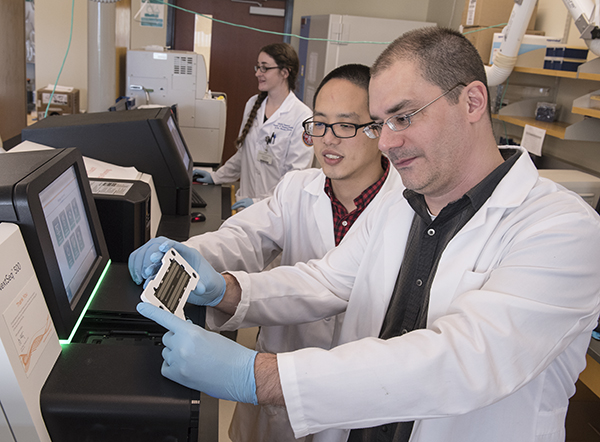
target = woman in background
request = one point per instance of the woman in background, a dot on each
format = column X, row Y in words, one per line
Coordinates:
column 271, row 141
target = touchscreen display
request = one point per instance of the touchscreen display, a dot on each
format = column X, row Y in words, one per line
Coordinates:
column 178, row 142
column 69, row 228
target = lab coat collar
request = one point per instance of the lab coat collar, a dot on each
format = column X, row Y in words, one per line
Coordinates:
column 321, row 204
column 285, row 107
column 507, row 194
column 316, row 186
column 287, row 104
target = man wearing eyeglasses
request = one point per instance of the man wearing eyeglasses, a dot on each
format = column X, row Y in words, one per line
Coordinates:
column 469, row 300
column 310, row 213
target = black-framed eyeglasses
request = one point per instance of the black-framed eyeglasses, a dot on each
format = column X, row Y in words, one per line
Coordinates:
column 264, row 69
column 401, row 122
column 340, row 130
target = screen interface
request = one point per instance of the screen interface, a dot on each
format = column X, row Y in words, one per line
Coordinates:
column 178, row 142
column 67, row 222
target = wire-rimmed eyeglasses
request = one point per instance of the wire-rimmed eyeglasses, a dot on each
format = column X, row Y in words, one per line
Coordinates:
column 264, row 69
column 340, row 130
column 401, row 121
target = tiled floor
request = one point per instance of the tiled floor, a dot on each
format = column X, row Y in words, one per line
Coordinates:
column 245, row 337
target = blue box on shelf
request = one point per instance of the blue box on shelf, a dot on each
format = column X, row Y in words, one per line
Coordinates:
column 567, row 52
column 563, row 65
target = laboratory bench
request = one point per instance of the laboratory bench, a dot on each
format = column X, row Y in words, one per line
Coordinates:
column 218, row 208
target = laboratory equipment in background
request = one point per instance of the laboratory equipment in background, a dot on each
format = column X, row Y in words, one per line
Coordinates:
column 147, row 139
column 47, row 193
column 317, row 58
column 585, row 185
column 124, row 212
column 128, row 217
column 180, row 78
column 106, row 382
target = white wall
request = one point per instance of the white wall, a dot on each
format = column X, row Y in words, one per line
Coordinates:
column 395, row 9
column 446, row 13
column 554, row 18
column 142, row 36
column 53, row 18
column 52, row 28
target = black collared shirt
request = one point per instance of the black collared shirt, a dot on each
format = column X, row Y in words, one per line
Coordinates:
column 427, row 240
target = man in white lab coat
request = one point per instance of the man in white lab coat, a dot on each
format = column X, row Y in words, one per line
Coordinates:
column 309, row 214
column 469, row 300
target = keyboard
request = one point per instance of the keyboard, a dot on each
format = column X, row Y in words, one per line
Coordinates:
column 197, row 200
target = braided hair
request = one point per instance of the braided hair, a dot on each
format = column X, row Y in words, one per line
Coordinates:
column 286, row 58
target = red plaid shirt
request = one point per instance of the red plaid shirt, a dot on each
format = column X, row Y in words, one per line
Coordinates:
column 342, row 220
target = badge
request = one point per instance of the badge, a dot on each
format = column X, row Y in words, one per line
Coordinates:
column 264, row 157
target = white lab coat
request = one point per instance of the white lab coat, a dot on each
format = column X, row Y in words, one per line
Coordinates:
column 298, row 222
column 287, row 150
column 510, row 315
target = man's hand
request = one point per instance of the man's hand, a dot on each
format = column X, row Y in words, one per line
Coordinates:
column 204, row 360
column 145, row 262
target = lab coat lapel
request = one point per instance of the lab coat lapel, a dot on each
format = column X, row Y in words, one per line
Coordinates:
column 267, row 128
column 451, row 278
column 378, row 271
column 321, row 210
column 394, row 246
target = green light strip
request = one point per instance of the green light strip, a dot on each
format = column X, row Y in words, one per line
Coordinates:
column 85, row 309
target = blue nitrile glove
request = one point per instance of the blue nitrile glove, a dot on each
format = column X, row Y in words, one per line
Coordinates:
column 145, row 262
column 203, row 360
column 242, row 204
column 202, row 176
column 139, row 263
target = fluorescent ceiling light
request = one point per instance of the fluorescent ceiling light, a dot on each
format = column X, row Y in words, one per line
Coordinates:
column 259, row 10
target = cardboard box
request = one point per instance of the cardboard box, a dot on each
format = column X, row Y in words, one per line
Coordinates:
column 490, row 12
column 483, row 38
column 64, row 102
column 532, row 52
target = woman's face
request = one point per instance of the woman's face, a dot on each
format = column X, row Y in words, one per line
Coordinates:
column 272, row 78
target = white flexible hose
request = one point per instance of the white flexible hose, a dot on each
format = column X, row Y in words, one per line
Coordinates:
column 506, row 57
column 500, row 70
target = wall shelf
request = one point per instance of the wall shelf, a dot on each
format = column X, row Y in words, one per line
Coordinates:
column 547, row 72
column 590, row 70
column 583, row 105
column 521, row 113
column 556, row 129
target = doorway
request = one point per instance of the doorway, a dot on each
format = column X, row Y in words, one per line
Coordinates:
column 233, row 51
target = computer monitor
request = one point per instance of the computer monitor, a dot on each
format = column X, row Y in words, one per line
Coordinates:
column 147, row 139
column 47, row 193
